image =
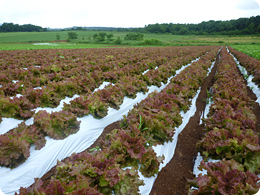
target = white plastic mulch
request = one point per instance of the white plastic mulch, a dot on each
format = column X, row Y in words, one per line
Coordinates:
column 41, row 161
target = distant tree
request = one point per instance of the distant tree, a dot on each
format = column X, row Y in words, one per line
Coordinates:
column 183, row 31
column 134, row 36
column 79, row 28
column 240, row 26
column 258, row 29
column 100, row 37
column 118, row 41
column 110, row 36
column 9, row 27
column 155, row 28
column 30, row 28
column 72, row 35
column 89, row 38
column 95, row 36
column 58, row 36
column 251, row 28
column 151, row 42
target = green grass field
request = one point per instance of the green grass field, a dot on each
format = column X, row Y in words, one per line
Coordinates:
column 251, row 50
column 27, row 40
column 29, row 46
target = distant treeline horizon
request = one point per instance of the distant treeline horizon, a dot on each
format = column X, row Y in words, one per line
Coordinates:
column 241, row 26
column 11, row 27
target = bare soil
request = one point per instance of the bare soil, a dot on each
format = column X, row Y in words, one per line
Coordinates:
column 172, row 178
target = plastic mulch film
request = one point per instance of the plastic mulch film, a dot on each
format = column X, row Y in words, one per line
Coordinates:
column 41, row 161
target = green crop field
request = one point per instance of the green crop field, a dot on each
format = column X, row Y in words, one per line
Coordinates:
column 251, row 50
column 48, row 40
column 29, row 46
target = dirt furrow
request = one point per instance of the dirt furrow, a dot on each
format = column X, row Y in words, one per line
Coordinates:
column 172, row 178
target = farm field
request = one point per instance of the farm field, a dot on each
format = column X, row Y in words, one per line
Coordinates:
column 118, row 120
column 48, row 40
column 251, row 50
column 30, row 46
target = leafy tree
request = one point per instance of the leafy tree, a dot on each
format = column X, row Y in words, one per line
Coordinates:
column 95, row 36
column 10, row 27
column 72, row 35
column 118, row 41
column 58, row 36
column 100, row 37
column 110, row 37
column 258, row 28
column 183, row 31
column 240, row 26
column 152, row 42
column 134, row 36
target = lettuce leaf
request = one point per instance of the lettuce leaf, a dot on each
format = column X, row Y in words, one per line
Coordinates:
column 57, row 125
column 225, row 177
column 13, row 151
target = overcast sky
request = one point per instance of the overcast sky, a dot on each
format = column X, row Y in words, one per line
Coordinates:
column 120, row 13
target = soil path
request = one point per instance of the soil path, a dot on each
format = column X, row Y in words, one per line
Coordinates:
column 172, row 178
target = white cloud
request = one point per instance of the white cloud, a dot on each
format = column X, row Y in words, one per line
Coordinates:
column 116, row 13
column 247, row 5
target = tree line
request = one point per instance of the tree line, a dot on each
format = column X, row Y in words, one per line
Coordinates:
column 241, row 26
column 10, row 27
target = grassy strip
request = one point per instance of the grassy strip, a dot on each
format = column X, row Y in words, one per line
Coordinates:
column 251, row 50
column 17, row 40
column 31, row 46
column 251, row 64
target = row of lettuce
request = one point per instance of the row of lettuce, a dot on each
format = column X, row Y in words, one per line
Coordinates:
column 230, row 136
column 125, row 151
column 15, row 144
column 113, row 95
column 251, row 64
